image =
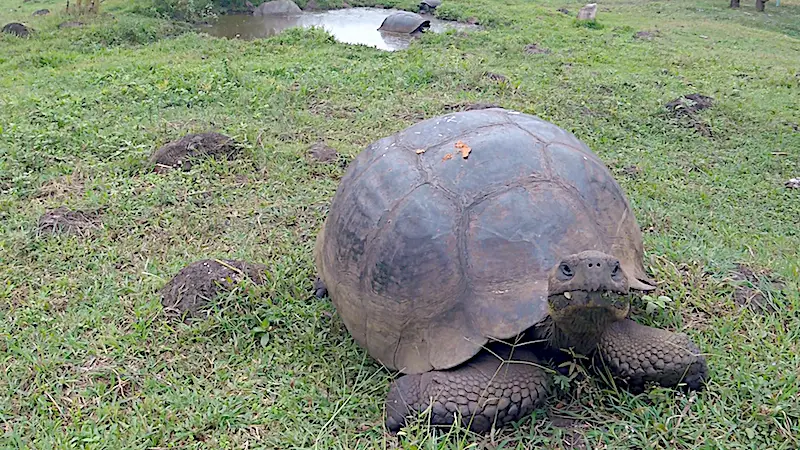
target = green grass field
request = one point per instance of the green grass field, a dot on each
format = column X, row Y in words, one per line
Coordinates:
column 89, row 361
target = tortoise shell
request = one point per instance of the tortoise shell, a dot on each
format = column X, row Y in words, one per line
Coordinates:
column 405, row 22
column 441, row 237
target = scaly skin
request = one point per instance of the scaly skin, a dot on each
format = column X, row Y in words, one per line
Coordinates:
column 483, row 392
column 638, row 354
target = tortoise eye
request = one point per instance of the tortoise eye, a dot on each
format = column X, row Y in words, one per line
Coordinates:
column 566, row 271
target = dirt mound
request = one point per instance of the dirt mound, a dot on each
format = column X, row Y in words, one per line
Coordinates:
column 65, row 221
column 646, row 35
column 632, row 171
column 70, row 24
column 320, row 152
column 534, row 49
column 188, row 292
column 181, row 153
column 685, row 109
column 689, row 104
column 500, row 78
column 748, row 291
column 16, row 29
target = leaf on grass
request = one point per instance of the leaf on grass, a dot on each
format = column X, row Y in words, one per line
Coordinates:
column 464, row 149
column 447, row 156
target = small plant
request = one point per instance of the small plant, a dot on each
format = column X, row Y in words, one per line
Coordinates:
column 590, row 24
column 261, row 332
column 574, row 368
column 658, row 304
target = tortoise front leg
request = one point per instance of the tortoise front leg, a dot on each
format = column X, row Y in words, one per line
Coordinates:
column 637, row 354
column 320, row 289
column 484, row 391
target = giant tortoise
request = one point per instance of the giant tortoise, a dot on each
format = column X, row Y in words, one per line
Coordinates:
column 404, row 22
column 471, row 250
column 429, row 5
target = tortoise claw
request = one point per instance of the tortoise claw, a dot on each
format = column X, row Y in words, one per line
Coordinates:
column 320, row 290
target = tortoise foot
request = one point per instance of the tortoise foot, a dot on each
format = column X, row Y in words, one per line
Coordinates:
column 638, row 354
column 483, row 393
column 320, row 290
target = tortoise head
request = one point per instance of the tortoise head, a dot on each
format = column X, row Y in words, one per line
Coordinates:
column 588, row 288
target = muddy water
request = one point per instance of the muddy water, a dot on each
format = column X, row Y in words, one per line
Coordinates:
column 351, row 26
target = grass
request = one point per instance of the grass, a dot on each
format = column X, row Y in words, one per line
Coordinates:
column 89, row 361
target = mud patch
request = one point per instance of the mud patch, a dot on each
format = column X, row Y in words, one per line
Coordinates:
column 570, row 429
column 84, row 378
column 563, row 11
column 322, row 153
column 71, row 24
column 184, row 152
column 750, row 287
column 685, row 109
column 62, row 187
column 632, row 171
column 41, row 12
column 645, row 35
column 572, row 437
column 17, row 29
column 689, row 104
column 189, row 292
column 65, row 221
column 534, row 49
column 496, row 77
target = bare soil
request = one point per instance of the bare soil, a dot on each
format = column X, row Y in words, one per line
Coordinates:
column 189, row 292
column 183, row 152
column 62, row 220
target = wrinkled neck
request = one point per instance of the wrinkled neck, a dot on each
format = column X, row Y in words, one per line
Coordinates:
column 581, row 329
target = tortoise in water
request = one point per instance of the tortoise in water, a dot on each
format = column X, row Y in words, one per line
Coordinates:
column 482, row 227
column 429, row 5
column 404, row 22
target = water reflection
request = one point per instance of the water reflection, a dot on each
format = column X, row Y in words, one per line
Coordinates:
column 351, row 26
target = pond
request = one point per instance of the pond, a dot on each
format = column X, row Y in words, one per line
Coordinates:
column 350, row 26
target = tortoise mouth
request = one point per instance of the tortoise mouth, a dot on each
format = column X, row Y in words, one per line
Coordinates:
column 614, row 299
column 602, row 291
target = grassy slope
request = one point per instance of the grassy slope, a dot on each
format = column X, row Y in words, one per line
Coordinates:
column 89, row 362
